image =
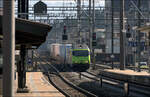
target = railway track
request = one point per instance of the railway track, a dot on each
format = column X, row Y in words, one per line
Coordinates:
column 111, row 85
column 93, row 85
column 62, row 84
column 139, row 89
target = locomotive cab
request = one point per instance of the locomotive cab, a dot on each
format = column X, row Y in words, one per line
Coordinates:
column 80, row 59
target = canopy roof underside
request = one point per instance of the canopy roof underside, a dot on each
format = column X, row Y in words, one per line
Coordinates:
column 28, row 33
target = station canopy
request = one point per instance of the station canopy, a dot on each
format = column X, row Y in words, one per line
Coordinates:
column 144, row 28
column 28, row 33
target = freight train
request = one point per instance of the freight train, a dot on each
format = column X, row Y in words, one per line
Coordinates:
column 77, row 58
column 61, row 53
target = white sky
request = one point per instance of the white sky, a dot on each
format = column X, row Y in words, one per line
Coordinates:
column 66, row 2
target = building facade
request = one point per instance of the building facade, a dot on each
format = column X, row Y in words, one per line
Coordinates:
column 131, row 20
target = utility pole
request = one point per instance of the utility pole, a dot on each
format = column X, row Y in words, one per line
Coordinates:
column 93, row 17
column 90, row 27
column 112, row 31
column 148, row 50
column 8, row 47
column 93, row 28
column 121, row 35
column 139, row 44
column 124, row 33
column 79, row 19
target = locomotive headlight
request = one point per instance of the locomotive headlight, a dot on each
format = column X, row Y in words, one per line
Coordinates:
column 75, row 61
column 86, row 61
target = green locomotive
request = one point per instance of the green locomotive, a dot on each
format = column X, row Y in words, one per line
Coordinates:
column 81, row 59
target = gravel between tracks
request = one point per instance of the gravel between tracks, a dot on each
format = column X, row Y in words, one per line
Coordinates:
column 89, row 85
column 94, row 86
column 65, row 87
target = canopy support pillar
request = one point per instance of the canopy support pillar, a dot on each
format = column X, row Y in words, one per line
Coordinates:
column 22, row 88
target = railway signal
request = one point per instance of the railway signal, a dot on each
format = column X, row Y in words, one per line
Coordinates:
column 94, row 43
column 94, row 36
column 64, row 29
column 128, row 34
column 64, row 36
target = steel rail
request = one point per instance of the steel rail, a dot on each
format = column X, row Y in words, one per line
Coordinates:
column 74, row 86
column 136, row 83
column 119, row 81
column 88, row 94
column 61, row 90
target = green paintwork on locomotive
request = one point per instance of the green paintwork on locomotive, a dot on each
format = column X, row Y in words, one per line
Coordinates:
column 79, row 59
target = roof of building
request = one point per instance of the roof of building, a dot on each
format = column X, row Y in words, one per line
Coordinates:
column 28, row 32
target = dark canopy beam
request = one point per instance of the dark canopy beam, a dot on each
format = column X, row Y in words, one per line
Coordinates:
column 29, row 33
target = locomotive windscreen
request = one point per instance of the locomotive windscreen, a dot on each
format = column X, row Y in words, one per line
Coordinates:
column 80, row 53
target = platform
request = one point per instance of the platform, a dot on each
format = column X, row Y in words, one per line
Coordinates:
column 38, row 86
column 128, row 72
column 128, row 75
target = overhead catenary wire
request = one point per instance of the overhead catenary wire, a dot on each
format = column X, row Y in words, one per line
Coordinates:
column 138, row 9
